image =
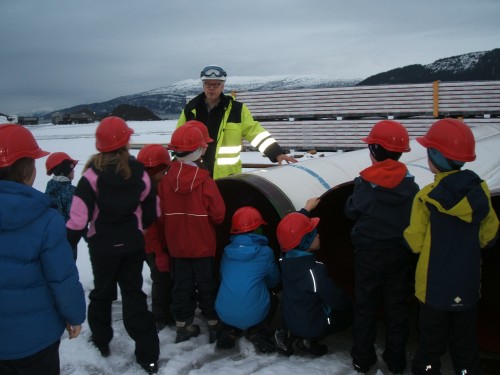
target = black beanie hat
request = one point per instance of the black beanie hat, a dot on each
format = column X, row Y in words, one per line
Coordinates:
column 64, row 168
column 380, row 153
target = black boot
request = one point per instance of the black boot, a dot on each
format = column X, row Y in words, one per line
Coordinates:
column 102, row 347
column 259, row 338
column 213, row 331
column 311, row 346
column 227, row 338
column 364, row 366
column 395, row 364
column 150, row 368
column 284, row 341
column 185, row 332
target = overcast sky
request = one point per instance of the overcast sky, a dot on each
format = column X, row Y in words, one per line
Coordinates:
column 60, row 53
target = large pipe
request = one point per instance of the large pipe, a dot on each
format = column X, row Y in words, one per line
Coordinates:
column 277, row 191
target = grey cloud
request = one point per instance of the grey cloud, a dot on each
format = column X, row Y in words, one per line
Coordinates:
column 57, row 53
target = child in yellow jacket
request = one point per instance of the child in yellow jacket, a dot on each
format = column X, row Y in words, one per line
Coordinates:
column 452, row 220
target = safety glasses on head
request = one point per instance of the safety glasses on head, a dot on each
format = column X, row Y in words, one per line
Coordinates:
column 213, row 72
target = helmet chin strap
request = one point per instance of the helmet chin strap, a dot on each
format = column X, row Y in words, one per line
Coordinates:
column 193, row 156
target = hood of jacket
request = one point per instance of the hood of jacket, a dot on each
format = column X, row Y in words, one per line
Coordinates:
column 244, row 247
column 296, row 264
column 15, row 198
column 387, row 174
column 391, row 181
column 460, row 194
column 183, row 178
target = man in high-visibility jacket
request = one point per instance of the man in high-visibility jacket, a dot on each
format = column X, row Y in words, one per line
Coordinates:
column 228, row 122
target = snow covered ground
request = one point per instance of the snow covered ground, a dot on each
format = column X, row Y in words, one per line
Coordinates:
column 196, row 356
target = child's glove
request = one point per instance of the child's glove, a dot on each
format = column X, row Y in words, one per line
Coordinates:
column 163, row 261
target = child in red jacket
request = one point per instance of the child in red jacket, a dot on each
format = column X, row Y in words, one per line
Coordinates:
column 191, row 206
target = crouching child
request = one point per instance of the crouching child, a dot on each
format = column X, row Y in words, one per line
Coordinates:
column 312, row 305
column 248, row 271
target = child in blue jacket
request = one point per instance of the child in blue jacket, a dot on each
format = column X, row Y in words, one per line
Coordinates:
column 452, row 219
column 40, row 291
column 248, row 272
column 312, row 305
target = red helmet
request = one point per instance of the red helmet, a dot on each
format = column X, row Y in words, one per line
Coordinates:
column 153, row 155
column 452, row 138
column 292, row 228
column 111, row 134
column 17, row 142
column 391, row 135
column 57, row 158
column 246, row 219
column 202, row 127
column 186, row 138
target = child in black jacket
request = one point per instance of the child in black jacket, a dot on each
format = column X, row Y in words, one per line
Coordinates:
column 381, row 205
column 312, row 304
column 116, row 197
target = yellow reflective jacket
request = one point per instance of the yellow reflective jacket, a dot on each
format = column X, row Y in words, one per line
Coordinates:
column 452, row 219
column 236, row 124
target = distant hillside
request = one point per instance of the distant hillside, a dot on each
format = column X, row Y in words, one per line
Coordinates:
column 133, row 113
column 168, row 101
column 476, row 66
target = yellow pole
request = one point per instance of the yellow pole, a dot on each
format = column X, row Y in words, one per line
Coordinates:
column 435, row 98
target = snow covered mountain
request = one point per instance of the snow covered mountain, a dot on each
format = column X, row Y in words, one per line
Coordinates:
column 475, row 66
column 168, row 101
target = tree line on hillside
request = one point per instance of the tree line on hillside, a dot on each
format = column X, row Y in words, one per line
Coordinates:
column 86, row 115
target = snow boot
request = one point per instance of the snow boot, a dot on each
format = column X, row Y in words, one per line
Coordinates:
column 311, row 346
column 185, row 331
column 363, row 367
column 227, row 337
column 162, row 323
column 395, row 364
column 259, row 338
column 103, row 348
column 284, row 341
column 213, row 331
column 159, row 326
column 150, row 368
column 427, row 369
